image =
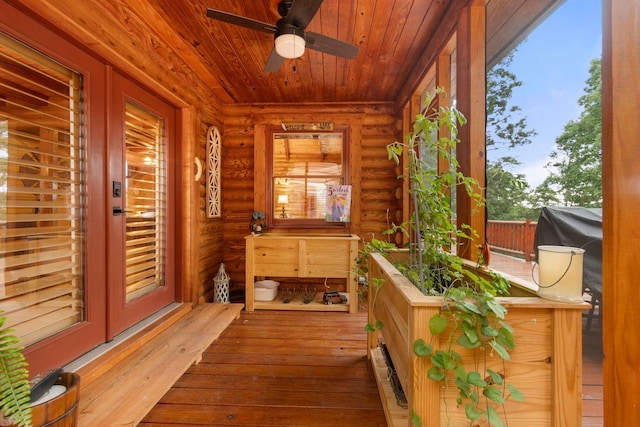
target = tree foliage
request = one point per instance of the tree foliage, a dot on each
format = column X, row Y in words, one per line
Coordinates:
column 576, row 166
column 575, row 169
column 506, row 193
column 506, row 127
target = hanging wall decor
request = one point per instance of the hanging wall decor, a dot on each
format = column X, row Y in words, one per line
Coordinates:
column 213, row 173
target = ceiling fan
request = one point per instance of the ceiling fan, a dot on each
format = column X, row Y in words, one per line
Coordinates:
column 290, row 37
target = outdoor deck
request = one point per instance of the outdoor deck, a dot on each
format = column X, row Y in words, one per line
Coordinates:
column 273, row 368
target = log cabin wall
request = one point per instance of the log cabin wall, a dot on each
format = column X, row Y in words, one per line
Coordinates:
column 207, row 232
column 376, row 190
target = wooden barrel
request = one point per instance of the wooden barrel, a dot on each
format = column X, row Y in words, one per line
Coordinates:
column 61, row 411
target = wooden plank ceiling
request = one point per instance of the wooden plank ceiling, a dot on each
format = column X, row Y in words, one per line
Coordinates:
column 388, row 34
column 392, row 37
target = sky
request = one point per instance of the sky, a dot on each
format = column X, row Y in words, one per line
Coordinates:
column 553, row 65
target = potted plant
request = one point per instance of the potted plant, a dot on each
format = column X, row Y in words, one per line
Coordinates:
column 447, row 326
column 20, row 404
column 15, row 401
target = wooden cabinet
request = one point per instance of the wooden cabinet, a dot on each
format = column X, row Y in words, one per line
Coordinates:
column 301, row 256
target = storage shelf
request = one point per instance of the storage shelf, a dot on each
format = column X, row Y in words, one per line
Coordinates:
column 299, row 305
column 302, row 257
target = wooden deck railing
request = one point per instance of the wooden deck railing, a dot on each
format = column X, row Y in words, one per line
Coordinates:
column 512, row 237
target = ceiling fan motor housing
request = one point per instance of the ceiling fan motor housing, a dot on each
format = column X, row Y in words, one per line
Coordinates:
column 289, row 40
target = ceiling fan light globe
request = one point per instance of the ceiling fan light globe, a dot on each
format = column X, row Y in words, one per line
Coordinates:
column 290, row 46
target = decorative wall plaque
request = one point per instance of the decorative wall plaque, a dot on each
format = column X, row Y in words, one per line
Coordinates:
column 214, row 159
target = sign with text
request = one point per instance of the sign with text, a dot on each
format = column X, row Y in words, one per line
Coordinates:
column 338, row 203
column 325, row 126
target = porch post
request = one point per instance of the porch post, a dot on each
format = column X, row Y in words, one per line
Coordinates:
column 471, row 93
column 621, row 209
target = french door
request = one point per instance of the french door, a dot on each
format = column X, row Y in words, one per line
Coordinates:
column 86, row 196
column 141, row 271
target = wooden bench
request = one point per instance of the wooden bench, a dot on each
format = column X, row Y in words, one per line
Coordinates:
column 121, row 387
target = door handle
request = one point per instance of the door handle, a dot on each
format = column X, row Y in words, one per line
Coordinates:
column 117, row 211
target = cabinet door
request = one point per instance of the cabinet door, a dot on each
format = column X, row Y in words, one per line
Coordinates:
column 325, row 258
column 276, row 257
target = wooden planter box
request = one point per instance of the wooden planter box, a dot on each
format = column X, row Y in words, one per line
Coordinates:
column 546, row 365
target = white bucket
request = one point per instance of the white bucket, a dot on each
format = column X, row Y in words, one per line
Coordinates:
column 560, row 273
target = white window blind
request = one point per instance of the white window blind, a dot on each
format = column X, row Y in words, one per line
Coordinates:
column 41, row 193
column 146, row 202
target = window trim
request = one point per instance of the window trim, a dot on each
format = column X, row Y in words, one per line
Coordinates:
column 286, row 224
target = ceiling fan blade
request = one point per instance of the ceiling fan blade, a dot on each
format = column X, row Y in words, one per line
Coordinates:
column 330, row 45
column 274, row 62
column 302, row 12
column 241, row 21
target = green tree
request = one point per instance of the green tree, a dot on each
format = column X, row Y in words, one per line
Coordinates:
column 506, row 195
column 544, row 195
column 506, row 128
column 576, row 166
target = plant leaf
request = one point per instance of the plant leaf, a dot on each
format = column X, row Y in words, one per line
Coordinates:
column 472, row 412
column 496, row 378
column 464, row 341
column 506, row 326
column 489, row 331
column 498, row 309
column 437, row 324
column 471, row 307
column 436, row 374
column 494, row 394
column 437, row 359
column 494, row 418
column 475, row 379
column 422, row 349
column 515, row 394
column 505, row 338
column 471, row 332
column 415, row 419
column 463, row 387
column 502, row 352
column 14, row 382
column 460, row 372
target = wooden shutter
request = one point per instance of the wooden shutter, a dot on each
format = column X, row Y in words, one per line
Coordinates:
column 146, row 202
column 41, row 193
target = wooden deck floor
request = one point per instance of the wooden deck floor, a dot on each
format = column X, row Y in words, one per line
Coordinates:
column 304, row 369
column 272, row 368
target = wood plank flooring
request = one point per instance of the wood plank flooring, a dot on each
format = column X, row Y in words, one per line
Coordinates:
column 305, row 369
column 592, row 395
column 277, row 368
column 128, row 386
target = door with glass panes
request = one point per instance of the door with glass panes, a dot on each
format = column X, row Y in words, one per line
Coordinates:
column 140, row 224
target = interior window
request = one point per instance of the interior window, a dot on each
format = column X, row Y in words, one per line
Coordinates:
column 304, row 167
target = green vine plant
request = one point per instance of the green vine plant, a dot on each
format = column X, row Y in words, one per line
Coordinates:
column 15, row 391
column 471, row 317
